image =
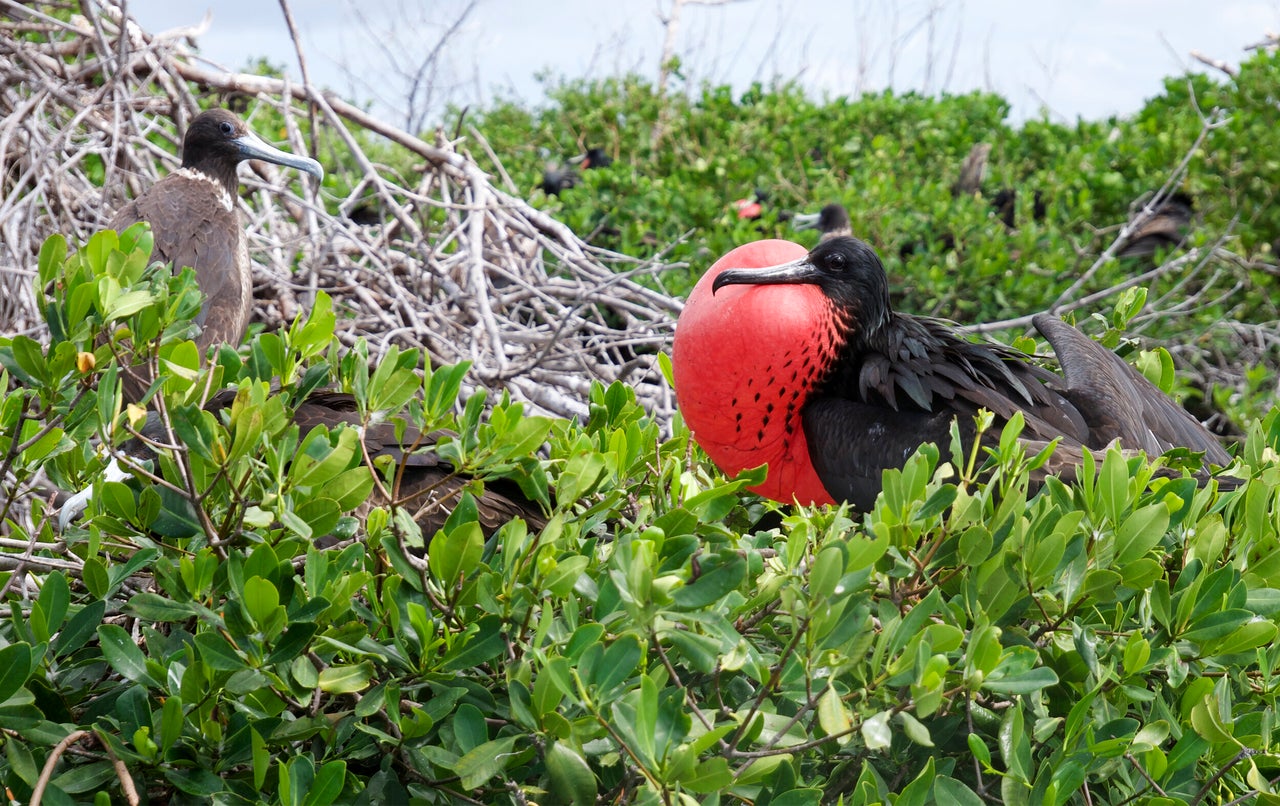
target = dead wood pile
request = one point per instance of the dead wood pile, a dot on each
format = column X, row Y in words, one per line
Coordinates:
column 91, row 116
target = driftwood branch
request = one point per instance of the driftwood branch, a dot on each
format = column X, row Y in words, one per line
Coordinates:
column 451, row 263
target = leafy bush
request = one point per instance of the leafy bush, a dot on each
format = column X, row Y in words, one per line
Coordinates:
column 661, row 639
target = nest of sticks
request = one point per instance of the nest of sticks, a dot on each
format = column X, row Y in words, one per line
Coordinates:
column 91, row 114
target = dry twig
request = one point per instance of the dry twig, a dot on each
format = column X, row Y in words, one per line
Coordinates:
column 459, row 267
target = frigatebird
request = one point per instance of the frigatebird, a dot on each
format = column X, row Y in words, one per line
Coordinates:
column 832, row 221
column 556, row 179
column 805, row 367
column 428, row 485
column 194, row 222
column 1165, row 228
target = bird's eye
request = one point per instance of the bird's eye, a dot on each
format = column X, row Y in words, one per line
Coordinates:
column 226, row 128
column 836, row 262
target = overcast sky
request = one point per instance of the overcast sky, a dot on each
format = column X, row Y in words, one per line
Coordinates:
column 1073, row 58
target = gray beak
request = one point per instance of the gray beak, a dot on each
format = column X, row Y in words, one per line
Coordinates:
column 254, row 147
column 797, row 271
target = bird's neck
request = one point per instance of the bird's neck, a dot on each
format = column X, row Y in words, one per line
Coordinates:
column 219, row 172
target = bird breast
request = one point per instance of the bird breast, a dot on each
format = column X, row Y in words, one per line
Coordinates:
column 744, row 360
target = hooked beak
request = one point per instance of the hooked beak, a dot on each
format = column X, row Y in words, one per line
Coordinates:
column 805, row 220
column 255, row 148
column 797, row 271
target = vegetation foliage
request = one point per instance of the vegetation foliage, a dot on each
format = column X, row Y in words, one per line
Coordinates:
column 666, row 637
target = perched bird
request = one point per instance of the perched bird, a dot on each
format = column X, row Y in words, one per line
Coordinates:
column 556, row 178
column 194, row 222
column 972, row 171
column 594, row 157
column 752, row 207
column 832, row 221
column 1165, row 228
column 425, row 483
column 804, row 366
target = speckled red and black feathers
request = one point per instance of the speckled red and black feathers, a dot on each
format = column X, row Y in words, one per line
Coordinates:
column 871, row 385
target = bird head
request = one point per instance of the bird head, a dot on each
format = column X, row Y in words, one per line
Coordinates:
column 848, row 272
column 217, row 141
column 831, row 221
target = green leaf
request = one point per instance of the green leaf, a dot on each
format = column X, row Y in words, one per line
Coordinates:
column 78, row 629
column 347, row 679
column 1139, row 532
column 124, row 655
column 719, row 577
column 455, row 555
column 484, row 762
column 876, row 733
column 15, row 666
column 619, row 662
column 1027, row 682
column 217, row 652
column 51, row 607
column 327, row 784
column 949, row 790
column 572, row 780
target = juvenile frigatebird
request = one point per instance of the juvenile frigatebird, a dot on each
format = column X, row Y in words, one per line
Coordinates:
column 428, row 485
column 804, row 366
column 832, row 221
column 194, row 222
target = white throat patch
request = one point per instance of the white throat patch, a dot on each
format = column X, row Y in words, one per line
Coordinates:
column 201, row 176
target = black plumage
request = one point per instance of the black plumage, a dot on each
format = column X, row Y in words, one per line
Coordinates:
column 895, row 381
column 1165, row 228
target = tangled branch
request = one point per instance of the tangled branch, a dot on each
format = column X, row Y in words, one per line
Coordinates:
column 455, row 265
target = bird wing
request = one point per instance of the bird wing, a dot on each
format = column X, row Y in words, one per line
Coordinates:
column 922, row 365
column 1118, row 402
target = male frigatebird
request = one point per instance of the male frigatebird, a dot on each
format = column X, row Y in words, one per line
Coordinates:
column 194, row 222
column 804, row 366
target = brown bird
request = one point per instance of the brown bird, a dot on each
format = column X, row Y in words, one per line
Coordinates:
column 194, row 222
column 1166, row 227
column 428, row 485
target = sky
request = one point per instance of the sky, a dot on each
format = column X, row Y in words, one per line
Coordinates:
column 1066, row 59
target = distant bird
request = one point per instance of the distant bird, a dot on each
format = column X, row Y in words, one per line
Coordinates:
column 427, row 485
column 556, row 178
column 595, row 157
column 194, row 221
column 832, row 221
column 805, row 367
column 972, row 171
column 1166, row 228
column 1005, row 204
column 752, row 207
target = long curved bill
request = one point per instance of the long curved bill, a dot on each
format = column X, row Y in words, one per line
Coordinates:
column 254, row 147
column 797, row 271
column 805, row 220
